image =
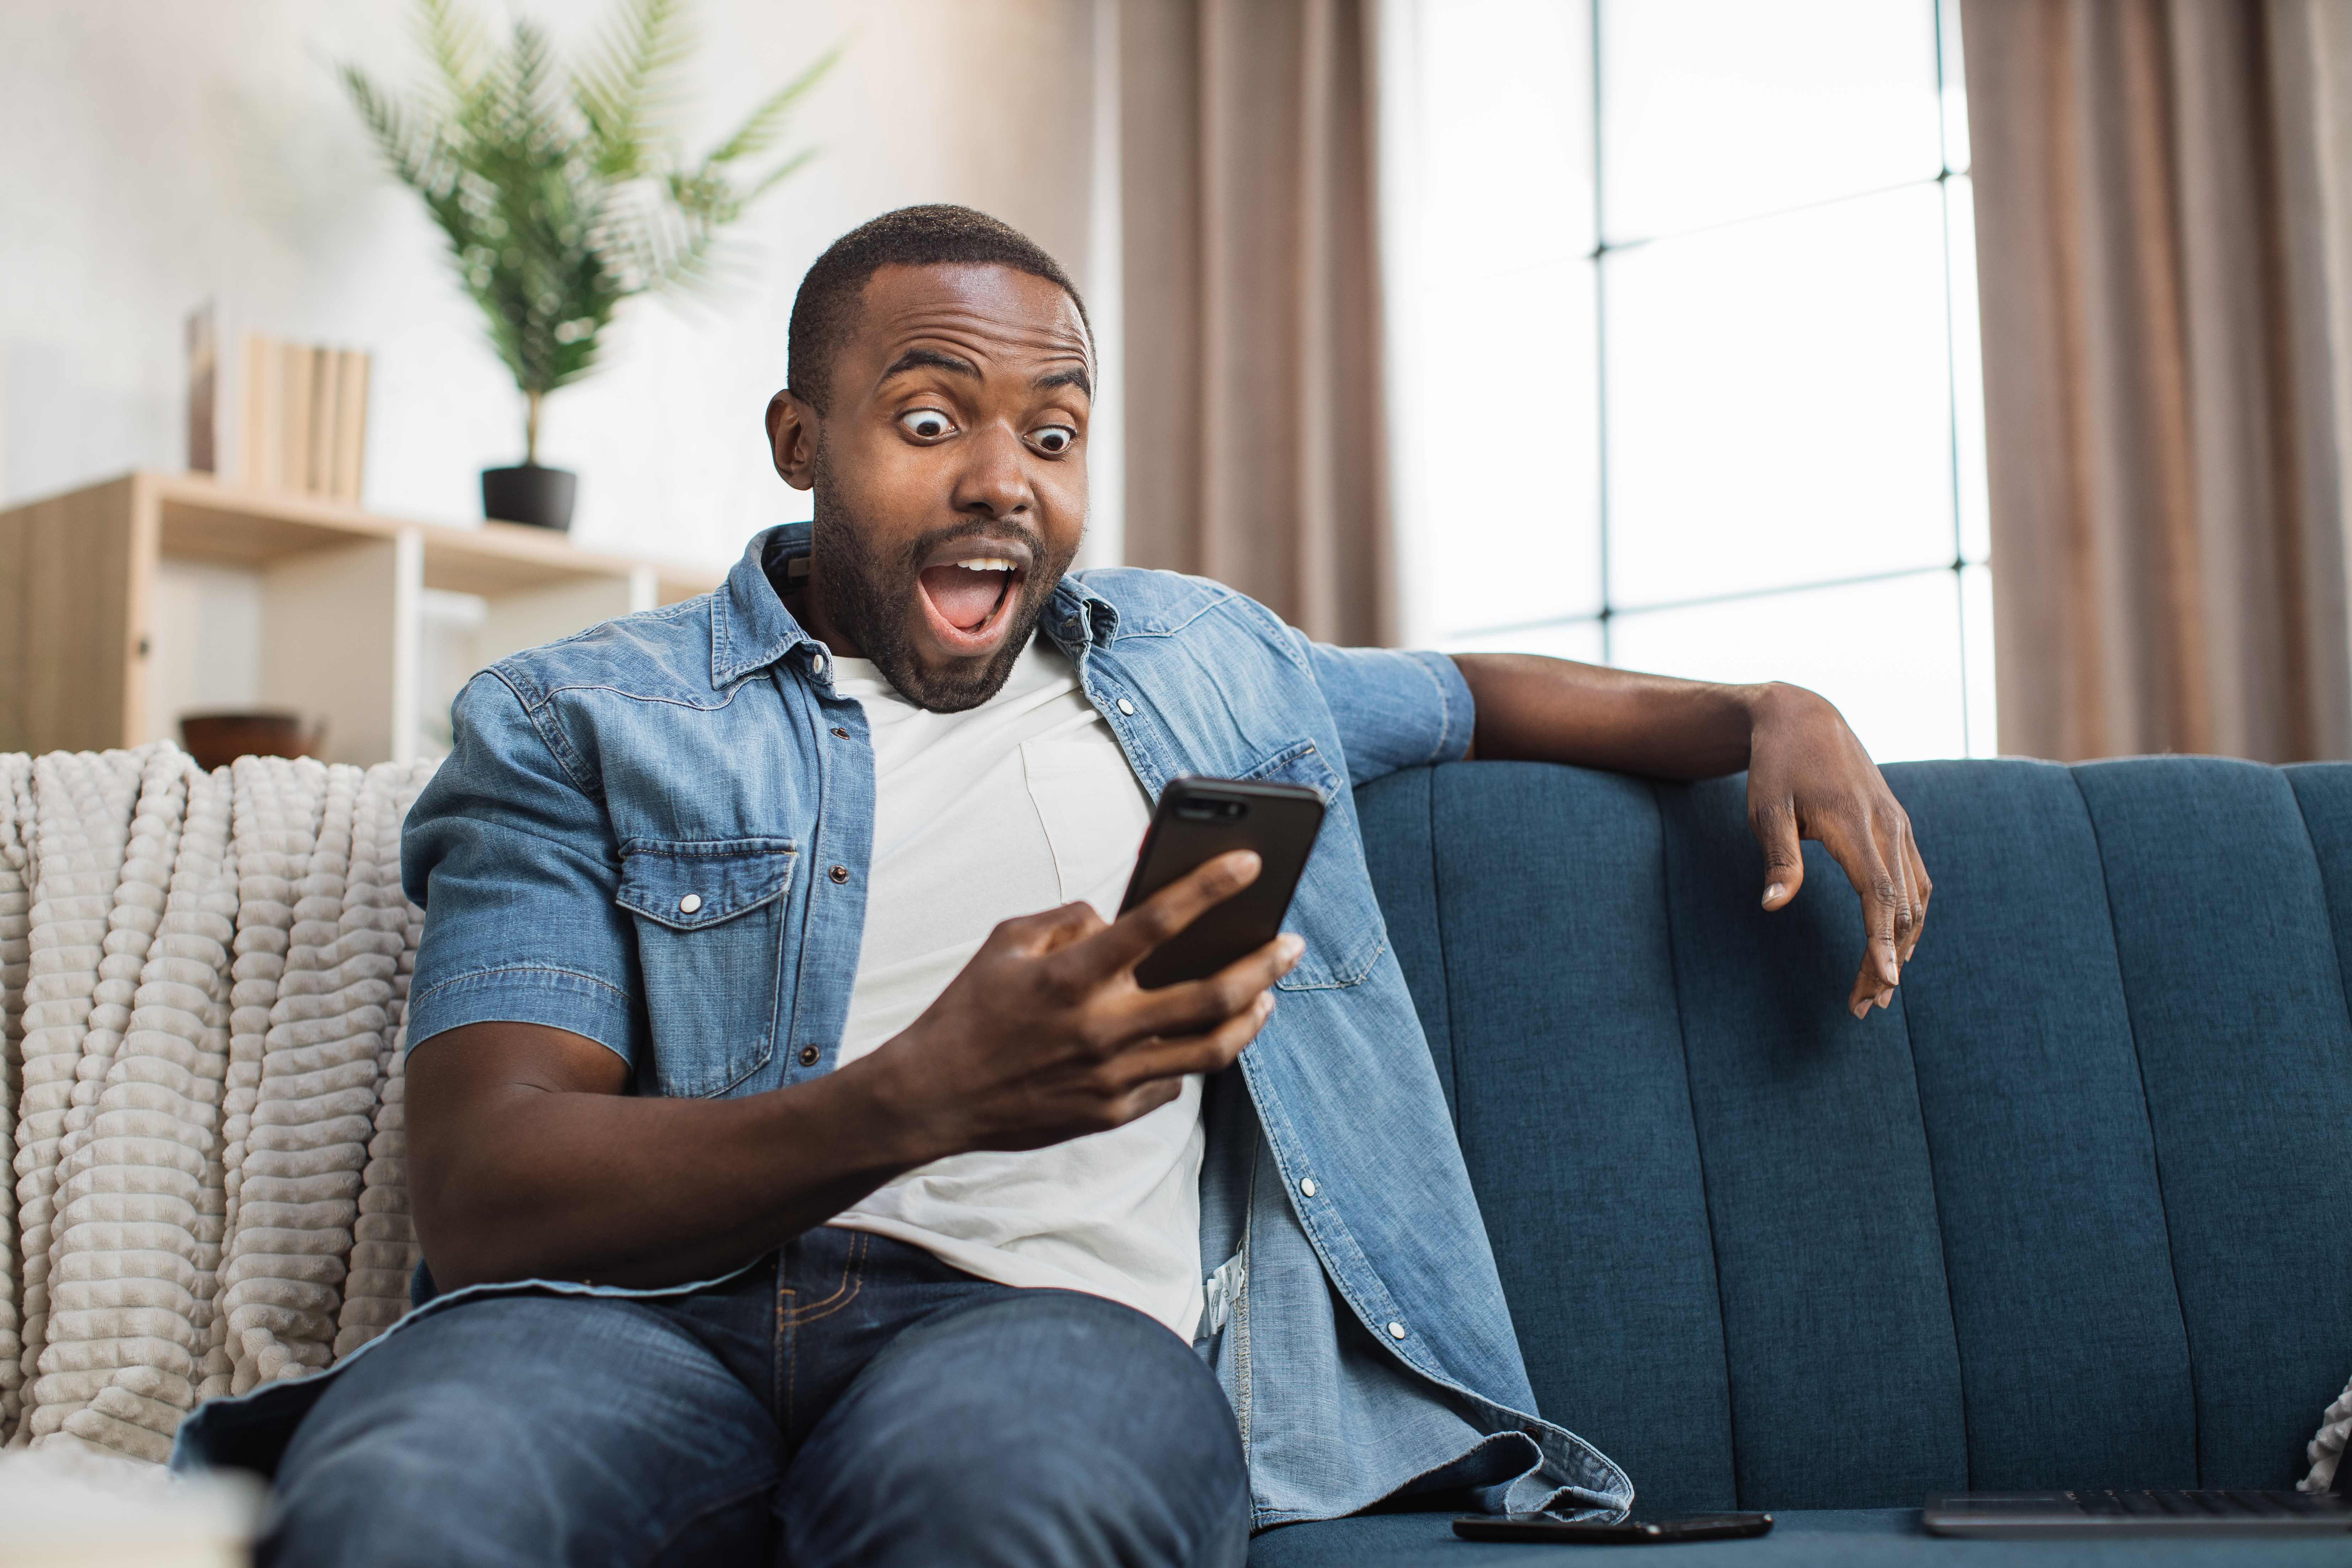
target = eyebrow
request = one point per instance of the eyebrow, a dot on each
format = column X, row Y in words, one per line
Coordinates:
column 915, row 358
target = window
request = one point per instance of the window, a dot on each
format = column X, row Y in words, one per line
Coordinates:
column 1686, row 344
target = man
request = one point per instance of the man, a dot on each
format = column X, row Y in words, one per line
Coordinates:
column 800, row 1165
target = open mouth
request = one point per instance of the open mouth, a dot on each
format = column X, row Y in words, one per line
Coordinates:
column 970, row 596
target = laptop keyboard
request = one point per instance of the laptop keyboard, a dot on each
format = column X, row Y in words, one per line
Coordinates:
column 2208, row 1504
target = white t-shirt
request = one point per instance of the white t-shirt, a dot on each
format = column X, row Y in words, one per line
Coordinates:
column 1019, row 805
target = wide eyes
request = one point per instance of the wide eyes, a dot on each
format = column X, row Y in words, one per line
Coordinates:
column 928, row 425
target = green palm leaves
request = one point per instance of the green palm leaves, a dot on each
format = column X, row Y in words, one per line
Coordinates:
column 563, row 194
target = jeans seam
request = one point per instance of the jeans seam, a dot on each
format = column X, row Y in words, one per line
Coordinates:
column 791, row 1320
column 853, row 1280
column 787, row 1345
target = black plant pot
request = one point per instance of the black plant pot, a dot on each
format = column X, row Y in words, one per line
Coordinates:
column 540, row 496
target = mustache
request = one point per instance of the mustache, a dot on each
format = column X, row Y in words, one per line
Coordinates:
column 972, row 528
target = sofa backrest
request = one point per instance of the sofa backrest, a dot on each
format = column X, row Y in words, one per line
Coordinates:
column 2073, row 1212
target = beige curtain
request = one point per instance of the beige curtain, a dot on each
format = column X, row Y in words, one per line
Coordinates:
column 2167, row 556
column 1254, row 432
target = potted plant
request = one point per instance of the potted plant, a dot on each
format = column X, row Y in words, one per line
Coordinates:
column 564, row 192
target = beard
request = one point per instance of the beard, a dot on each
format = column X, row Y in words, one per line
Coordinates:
column 875, row 600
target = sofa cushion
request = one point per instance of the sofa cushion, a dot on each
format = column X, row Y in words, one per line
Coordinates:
column 1837, row 1321
column 2232, row 975
column 2074, row 1366
column 1523, row 902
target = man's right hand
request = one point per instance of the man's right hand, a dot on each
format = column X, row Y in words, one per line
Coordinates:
column 1045, row 1036
column 528, row 1157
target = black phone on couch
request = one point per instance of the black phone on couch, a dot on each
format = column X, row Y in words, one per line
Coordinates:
column 1199, row 819
column 1543, row 1527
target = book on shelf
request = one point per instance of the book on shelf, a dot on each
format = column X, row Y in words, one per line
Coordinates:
column 305, row 419
column 203, row 393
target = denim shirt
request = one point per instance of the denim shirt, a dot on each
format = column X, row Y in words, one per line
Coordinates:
column 656, row 835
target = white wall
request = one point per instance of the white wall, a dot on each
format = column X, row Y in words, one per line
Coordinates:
column 161, row 152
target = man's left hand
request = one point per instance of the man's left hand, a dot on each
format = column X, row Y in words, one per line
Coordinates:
column 1808, row 777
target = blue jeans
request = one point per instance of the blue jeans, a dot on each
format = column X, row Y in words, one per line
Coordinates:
column 858, row 1401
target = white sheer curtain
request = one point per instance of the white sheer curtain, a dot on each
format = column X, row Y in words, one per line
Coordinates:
column 1684, row 350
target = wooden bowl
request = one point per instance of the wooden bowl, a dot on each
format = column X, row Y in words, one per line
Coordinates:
column 217, row 740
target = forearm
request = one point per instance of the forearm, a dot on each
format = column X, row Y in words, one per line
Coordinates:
column 1532, row 709
column 527, row 1158
column 530, row 1182
column 1808, row 775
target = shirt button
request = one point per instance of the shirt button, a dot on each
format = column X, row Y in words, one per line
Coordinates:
column 1396, row 1331
column 1308, row 1186
column 843, row 734
column 839, row 873
column 816, row 664
column 808, row 1056
column 688, row 904
column 1127, row 707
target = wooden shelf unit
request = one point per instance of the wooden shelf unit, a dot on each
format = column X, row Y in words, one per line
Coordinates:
column 341, row 597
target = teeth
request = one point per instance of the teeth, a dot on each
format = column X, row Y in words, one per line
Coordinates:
column 986, row 564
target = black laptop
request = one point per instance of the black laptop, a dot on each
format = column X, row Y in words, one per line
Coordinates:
column 2014, row 1515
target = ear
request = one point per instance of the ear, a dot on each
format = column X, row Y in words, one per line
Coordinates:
column 792, row 439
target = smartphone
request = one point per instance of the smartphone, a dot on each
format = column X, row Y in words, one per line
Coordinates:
column 1198, row 820
column 1628, row 1532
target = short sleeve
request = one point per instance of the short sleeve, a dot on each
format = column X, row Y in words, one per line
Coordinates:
column 517, row 871
column 1395, row 708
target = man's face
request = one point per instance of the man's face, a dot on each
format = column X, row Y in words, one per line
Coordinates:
column 949, row 475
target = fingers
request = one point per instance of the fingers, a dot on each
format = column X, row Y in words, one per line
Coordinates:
column 1880, row 971
column 1774, row 823
column 1194, row 1005
column 1129, row 939
column 1164, row 1059
column 1855, row 848
column 1894, row 853
column 1885, row 867
column 1881, row 857
column 1140, row 1102
column 1047, row 931
column 1810, row 777
column 1899, row 853
column 1922, row 889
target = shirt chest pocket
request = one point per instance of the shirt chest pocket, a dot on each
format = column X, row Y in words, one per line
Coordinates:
column 1333, row 909
column 710, row 939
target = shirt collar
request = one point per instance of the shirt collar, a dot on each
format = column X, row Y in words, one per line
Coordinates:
column 1078, row 617
column 750, row 629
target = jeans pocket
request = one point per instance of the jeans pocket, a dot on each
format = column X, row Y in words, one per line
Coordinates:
column 711, row 939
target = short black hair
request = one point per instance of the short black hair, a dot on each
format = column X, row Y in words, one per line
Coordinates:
column 826, row 312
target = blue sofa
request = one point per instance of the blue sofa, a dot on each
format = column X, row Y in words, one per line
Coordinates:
column 2076, row 1210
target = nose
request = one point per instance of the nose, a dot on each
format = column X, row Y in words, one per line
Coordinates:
column 995, row 478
